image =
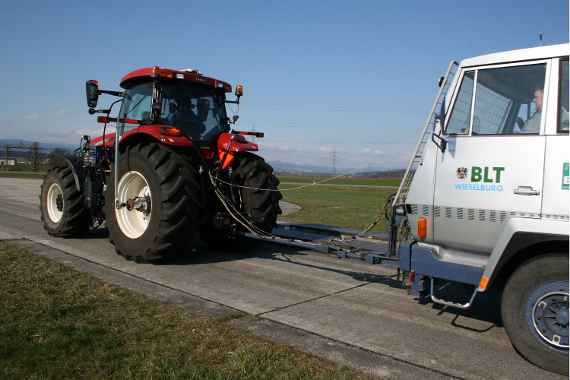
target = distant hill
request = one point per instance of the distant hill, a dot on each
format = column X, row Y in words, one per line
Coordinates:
column 290, row 168
column 27, row 143
column 301, row 169
column 398, row 173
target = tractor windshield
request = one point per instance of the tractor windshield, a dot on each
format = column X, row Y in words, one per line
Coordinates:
column 199, row 111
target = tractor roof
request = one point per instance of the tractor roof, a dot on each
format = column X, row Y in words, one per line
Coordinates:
column 188, row 74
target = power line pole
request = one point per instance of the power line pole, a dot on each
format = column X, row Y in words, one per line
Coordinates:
column 333, row 153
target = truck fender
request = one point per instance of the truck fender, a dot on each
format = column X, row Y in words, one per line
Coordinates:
column 518, row 234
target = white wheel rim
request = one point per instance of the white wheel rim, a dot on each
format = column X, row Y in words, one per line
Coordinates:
column 132, row 223
column 55, row 212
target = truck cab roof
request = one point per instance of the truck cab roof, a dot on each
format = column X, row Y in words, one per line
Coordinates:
column 540, row 52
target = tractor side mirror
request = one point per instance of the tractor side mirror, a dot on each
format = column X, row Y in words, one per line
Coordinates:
column 239, row 90
column 92, row 92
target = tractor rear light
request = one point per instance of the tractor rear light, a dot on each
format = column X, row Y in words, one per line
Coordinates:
column 171, row 131
column 422, row 227
column 102, row 119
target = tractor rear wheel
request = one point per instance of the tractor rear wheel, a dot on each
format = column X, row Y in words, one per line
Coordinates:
column 157, row 198
column 259, row 194
column 62, row 209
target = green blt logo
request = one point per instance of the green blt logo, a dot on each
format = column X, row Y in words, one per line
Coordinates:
column 565, row 176
column 487, row 174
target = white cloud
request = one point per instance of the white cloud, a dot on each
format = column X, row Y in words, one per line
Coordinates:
column 32, row 116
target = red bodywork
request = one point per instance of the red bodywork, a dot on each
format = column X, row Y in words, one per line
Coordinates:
column 228, row 144
column 193, row 76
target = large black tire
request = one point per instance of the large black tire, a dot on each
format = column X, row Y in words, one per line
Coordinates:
column 174, row 211
column 533, row 280
column 74, row 219
column 260, row 205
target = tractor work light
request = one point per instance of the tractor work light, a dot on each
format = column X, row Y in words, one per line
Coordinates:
column 171, row 131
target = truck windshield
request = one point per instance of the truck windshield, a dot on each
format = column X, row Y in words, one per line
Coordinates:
column 199, row 111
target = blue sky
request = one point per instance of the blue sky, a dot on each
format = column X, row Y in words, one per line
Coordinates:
column 357, row 77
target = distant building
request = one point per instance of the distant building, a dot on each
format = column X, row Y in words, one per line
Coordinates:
column 4, row 162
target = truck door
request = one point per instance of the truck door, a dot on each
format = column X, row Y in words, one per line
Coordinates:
column 556, row 190
column 492, row 165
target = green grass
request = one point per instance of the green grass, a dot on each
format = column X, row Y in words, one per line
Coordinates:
column 21, row 174
column 338, row 206
column 57, row 323
column 339, row 181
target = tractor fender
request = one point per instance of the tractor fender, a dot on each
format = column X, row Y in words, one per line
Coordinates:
column 230, row 144
column 65, row 160
column 156, row 133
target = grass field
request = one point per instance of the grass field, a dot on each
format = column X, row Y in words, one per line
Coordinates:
column 347, row 180
column 57, row 323
column 350, row 207
column 21, row 174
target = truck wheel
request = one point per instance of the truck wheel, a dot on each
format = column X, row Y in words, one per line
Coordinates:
column 158, row 195
column 62, row 210
column 535, row 311
column 262, row 206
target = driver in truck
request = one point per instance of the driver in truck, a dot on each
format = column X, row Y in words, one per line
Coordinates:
column 532, row 125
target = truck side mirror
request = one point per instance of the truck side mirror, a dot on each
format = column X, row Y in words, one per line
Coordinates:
column 436, row 138
column 92, row 92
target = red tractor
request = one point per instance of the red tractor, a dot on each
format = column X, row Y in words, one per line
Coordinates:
column 178, row 173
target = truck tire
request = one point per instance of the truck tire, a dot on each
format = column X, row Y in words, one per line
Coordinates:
column 62, row 209
column 164, row 224
column 534, row 308
column 260, row 205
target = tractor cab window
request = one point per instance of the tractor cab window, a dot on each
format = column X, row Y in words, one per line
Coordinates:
column 509, row 100
column 199, row 111
column 136, row 105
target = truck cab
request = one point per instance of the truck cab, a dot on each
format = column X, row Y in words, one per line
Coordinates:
column 486, row 194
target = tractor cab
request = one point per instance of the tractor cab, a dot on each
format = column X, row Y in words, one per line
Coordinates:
column 185, row 100
column 183, row 104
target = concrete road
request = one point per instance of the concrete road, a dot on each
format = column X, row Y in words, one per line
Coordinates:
column 344, row 302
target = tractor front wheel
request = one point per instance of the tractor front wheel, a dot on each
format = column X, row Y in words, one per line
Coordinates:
column 155, row 213
column 259, row 194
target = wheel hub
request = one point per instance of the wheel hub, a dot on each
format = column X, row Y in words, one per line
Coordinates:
column 550, row 318
column 134, row 204
column 54, row 203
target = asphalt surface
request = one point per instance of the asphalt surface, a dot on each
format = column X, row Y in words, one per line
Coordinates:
column 310, row 300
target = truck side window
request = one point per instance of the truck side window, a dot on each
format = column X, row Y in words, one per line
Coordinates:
column 458, row 123
column 563, row 98
column 508, row 100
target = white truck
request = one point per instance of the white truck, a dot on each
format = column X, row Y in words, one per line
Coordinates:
column 486, row 195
